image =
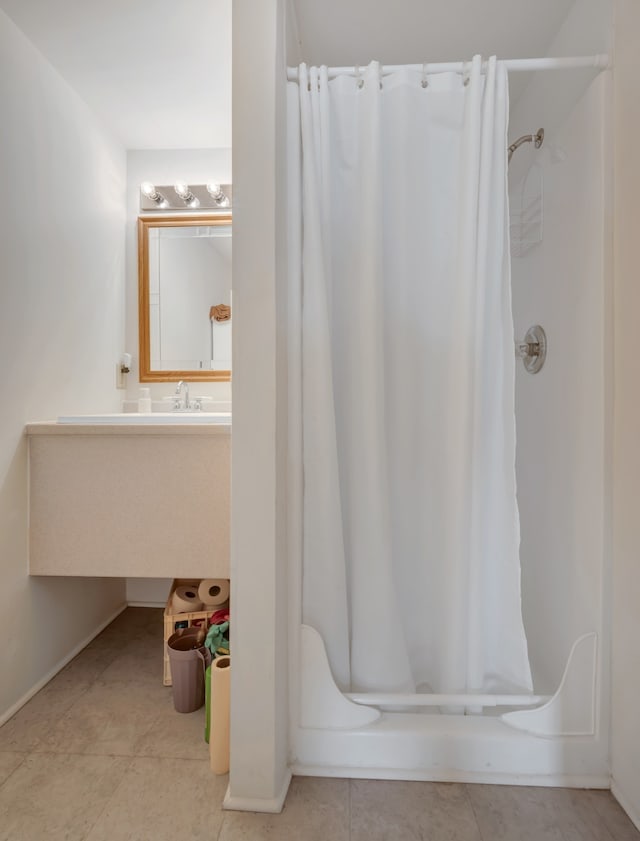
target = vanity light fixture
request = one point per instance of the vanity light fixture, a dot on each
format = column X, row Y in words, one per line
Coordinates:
column 217, row 195
column 181, row 197
column 149, row 191
column 183, row 192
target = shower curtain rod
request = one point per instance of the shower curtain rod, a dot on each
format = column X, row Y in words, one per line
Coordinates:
column 598, row 62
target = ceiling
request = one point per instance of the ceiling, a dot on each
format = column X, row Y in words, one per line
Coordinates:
column 340, row 33
column 336, row 32
column 157, row 73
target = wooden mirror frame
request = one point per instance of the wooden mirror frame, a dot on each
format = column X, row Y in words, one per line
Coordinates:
column 144, row 330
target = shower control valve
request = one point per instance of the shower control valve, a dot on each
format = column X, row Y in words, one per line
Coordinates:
column 524, row 349
column 533, row 350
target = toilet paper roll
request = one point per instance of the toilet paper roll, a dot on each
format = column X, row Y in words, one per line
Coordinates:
column 213, row 592
column 219, row 729
column 185, row 599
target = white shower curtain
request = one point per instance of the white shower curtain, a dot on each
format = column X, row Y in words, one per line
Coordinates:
column 399, row 271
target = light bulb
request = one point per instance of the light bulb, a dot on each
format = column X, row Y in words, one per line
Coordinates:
column 215, row 192
column 183, row 191
column 147, row 189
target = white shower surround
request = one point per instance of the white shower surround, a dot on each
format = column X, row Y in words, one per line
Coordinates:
column 483, row 748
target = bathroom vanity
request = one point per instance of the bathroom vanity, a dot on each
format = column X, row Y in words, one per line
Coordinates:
column 133, row 498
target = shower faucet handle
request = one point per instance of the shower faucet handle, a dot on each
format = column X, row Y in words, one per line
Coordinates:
column 524, row 349
column 533, row 350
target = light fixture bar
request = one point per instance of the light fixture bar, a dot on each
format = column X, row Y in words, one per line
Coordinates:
column 182, row 197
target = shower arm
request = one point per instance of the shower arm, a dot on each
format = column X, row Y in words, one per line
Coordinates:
column 537, row 140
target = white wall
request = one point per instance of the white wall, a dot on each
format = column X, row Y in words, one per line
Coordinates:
column 148, row 592
column 563, row 413
column 552, row 94
column 164, row 166
column 626, row 520
column 61, row 331
column 259, row 719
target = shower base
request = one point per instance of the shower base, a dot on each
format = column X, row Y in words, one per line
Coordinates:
column 557, row 743
column 451, row 748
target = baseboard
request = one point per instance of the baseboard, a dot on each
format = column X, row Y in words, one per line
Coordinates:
column 147, row 604
column 5, row 716
column 249, row 804
column 630, row 808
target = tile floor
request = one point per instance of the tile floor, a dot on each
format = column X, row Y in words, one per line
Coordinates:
column 100, row 755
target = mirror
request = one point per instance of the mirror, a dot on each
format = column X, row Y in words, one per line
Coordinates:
column 184, row 275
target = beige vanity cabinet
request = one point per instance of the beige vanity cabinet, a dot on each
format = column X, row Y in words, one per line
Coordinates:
column 129, row 501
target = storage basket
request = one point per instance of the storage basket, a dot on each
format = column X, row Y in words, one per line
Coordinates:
column 174, row 621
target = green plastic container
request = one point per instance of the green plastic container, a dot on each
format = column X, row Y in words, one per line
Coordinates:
column 207, row 704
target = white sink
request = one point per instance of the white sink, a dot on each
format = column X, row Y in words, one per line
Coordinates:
column 150, row 418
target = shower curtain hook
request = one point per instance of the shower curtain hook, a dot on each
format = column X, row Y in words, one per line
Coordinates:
column 359, row 79
column 425, row 81
column 466, row 74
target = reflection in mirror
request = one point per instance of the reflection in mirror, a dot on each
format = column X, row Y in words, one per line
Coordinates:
column 189, row 275
column 185, row 298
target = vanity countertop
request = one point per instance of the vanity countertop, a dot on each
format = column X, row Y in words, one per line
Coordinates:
column 123, row 428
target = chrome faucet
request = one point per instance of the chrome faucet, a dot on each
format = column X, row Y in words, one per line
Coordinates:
column 186, row 405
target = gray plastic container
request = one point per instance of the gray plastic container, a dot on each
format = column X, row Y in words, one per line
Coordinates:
column 189, row 659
